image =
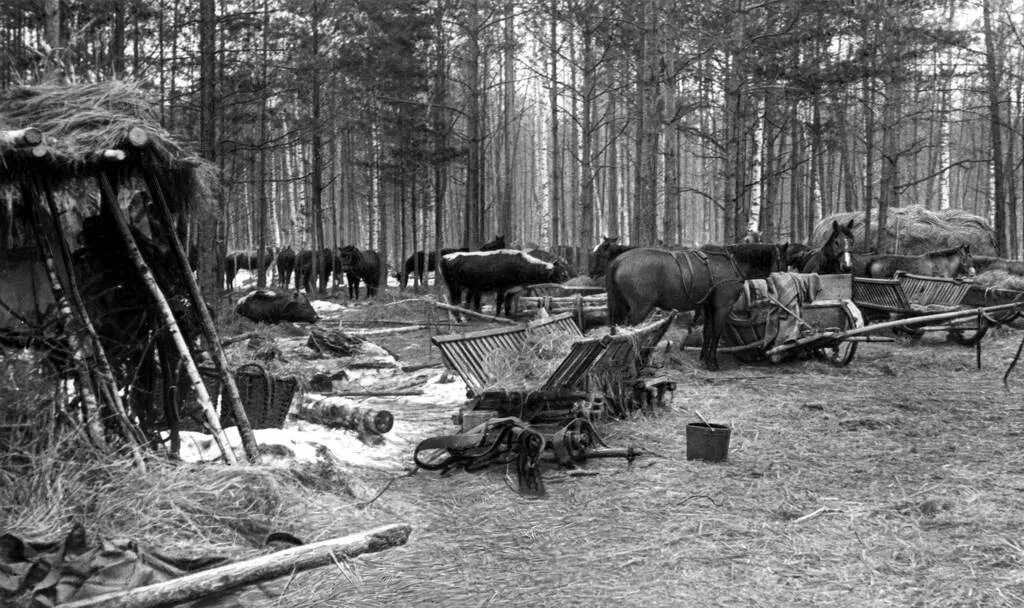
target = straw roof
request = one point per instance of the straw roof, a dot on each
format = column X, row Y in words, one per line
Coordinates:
column 914, row 230
column 79, row 122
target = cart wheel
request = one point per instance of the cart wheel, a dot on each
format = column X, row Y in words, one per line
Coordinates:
column 968, row 337
column 841, row 353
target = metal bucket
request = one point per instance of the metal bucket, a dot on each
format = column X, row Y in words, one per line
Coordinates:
column 708, row 442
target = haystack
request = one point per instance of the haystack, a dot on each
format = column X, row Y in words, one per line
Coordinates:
column 79, row 122
column 915, row 230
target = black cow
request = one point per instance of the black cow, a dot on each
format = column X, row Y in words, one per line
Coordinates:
column 420, row 263
column 248, row 259
column 304, row 277
column 368, row 266
column 557, row 260
column 285, row 266
column 499, row 270
column 266, row 306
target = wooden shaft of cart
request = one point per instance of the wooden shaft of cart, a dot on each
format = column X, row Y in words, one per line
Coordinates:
column 908, row 322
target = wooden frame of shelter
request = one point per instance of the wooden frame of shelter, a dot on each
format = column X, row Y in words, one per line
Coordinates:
column 104, row 138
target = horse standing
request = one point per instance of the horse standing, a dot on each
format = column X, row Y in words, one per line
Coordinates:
column 834, row 257
column 606, row 251
column 708, row 280
column 948, row 263
column 366, row 265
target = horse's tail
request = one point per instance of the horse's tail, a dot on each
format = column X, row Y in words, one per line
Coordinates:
column 618, row 307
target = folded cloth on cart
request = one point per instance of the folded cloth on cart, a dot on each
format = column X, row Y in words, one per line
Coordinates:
column 776, row 302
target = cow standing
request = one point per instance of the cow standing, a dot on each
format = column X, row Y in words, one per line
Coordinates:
column 500, row 270
column 368, row 266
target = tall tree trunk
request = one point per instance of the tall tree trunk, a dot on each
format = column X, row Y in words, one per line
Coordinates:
column 117, row 40
column 207, row 231
column 555, row 174
column 474, row 211
column 261, row 178
column 589, row 130
column 867, row 95
column 889, row 177
column 648, row 128
column 507, row 226
column 612, row 147
column 671, row 225
column 993, row 69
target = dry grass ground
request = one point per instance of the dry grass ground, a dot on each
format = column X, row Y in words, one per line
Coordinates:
column 893, row 482
column 896, row 481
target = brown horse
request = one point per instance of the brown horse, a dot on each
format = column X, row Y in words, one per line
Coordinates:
column 606, row 251
column 947, row 263
column 834, row 257
column 708, row 280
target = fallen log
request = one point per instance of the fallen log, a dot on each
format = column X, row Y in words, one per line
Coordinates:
column 265, row 567
column 333, row 413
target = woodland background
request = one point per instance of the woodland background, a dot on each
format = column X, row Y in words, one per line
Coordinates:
column 401, row 125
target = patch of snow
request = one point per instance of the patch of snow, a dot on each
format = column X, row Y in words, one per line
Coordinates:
column 416, row 418
column 322, row 306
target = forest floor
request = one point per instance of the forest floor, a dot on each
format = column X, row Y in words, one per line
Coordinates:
column 891, row 482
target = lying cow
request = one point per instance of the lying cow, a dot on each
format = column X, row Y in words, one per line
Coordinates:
column 475, row 272
column 266, row 306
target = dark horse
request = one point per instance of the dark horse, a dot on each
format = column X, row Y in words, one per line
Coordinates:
column 834, row 257
column 420, row 263
column 606, row 251
column 708, row 280
column 947, row 263
column 366, row 265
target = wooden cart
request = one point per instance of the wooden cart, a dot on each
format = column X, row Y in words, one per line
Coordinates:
column 913, row 297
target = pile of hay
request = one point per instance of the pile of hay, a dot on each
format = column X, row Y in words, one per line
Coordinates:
column 999, row 279
column 529, row 367
column 915, row 230
column 80, row 121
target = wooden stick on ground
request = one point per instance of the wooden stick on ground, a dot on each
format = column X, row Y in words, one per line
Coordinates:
column 473, row 313
column 265, row 567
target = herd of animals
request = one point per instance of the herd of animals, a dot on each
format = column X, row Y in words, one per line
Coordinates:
column 706, row 279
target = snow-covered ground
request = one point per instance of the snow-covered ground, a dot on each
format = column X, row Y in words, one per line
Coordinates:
column 416, row 418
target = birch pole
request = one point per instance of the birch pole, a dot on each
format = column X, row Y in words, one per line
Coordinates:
column 234, row 400
column 109, row 198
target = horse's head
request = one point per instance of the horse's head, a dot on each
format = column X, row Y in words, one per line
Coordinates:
column 347, row 257
column 601, row 255
column 796, row 256
column 839, row 246
column 966, row 266
column 752, row 236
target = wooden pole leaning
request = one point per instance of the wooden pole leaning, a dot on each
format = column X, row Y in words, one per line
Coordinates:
column 109, row 199
column 231, row 394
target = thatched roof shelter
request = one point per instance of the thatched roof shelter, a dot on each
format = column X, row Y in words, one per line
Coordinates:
column 79, row 122
column 914, row 230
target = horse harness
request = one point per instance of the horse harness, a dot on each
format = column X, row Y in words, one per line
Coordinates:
column 703, row 257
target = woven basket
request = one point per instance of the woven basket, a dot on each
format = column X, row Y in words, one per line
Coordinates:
column 190, row 416
column 266, row 398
